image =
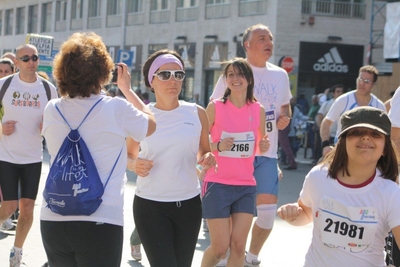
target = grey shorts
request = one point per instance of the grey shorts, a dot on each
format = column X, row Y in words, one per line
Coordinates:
column 221, row 200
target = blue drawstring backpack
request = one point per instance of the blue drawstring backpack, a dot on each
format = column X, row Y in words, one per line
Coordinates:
column 73, row 185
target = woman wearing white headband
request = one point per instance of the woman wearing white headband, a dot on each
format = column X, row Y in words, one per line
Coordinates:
column 167, row 206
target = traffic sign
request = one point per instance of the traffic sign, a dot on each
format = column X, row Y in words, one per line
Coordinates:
column 287, row 63
column 125, row 56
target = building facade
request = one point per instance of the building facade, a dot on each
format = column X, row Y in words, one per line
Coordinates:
column 320, row 43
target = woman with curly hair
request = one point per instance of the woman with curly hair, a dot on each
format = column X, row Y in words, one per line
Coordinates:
column 81, row 69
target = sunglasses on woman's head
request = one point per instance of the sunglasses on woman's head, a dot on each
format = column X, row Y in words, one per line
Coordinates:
column 165, row 75
column 26, row 58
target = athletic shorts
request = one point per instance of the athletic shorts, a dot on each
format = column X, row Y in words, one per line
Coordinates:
column 266, row 175
column 25, row 175
column 221, row 200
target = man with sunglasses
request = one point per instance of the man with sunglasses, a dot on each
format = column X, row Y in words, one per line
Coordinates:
column 362, row 96
column 21, row 144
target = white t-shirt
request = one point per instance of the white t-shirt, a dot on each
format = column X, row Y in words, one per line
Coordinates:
column 350, row 224
column 324, row 109
column 24, row 102
column 346, row 102
column 173, row 149
column 104, row 132
column 272, row 90
column 394, row 112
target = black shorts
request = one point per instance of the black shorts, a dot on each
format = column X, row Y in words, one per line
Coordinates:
column 26, row 175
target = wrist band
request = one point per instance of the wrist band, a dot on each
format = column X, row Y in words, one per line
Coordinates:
column 325, row 143
column 218, row 146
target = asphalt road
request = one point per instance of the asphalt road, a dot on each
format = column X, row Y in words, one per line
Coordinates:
column 285, row 247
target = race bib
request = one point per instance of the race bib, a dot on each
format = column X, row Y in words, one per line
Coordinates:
column 243, row 145
column 270, row 120
column 352, row 228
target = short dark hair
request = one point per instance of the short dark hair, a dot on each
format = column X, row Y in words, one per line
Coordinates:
column 83, row 65
column 333, row 88
column 150, row 60
column 337, row 159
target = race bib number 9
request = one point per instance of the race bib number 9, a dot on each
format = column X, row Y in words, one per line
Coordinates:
column 243, row 145
column 270, row 121
column 352, row 228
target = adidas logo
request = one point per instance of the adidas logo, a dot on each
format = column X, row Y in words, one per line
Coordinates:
column 331, row 62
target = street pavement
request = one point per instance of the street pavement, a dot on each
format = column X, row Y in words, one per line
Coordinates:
column 286, row 246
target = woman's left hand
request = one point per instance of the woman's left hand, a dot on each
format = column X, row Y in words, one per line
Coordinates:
column 264, row 144
column 207, row 161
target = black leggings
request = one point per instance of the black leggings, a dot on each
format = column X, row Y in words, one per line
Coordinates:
column 82, row 243
column 168, row 230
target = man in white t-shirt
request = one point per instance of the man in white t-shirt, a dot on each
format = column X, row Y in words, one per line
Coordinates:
column 21, row 144
column 337, row 90
column 362, row 96
column 272, row 90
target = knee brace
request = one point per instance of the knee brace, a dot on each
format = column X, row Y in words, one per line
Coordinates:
column 266, row 215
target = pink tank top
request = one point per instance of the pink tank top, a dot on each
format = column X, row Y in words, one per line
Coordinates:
column 235, row 167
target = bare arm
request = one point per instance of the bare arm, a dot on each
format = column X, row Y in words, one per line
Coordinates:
column 124, row 83
column 204, row 156
column 395, row 135
column 318, row 119
column 296, row 214
column 284, row 117
column 140, row 166
column 324, row 132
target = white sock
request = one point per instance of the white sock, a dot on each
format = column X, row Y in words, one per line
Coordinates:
column 250, row 257
column 17, row 250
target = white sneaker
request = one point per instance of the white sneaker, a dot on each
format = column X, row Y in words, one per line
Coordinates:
column 253, row 263
column 205, row 225
column 135, row 253
column 16, row 259
column 7, row 225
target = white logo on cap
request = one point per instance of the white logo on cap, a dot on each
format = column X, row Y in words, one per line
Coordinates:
column 331, row 62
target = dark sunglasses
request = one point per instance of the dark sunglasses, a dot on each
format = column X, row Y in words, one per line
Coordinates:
column 27, row 58
column 165, row 75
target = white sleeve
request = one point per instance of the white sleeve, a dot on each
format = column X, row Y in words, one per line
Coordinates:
column 219, row 88
column 337, row 108
column 394, row 112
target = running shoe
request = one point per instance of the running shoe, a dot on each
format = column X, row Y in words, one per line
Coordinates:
column 16, row 259
column 7, row 225
column 135, row 253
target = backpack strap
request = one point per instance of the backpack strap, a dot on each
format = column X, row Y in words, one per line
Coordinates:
column 46, row 88
column 4, row 88
column 112, row 170
column 95, row 104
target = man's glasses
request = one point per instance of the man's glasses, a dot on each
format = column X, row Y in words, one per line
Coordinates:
column 165, row 75
column 366, row 81
column 27, row 58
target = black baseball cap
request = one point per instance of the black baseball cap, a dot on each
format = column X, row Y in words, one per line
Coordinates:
column 365, row 116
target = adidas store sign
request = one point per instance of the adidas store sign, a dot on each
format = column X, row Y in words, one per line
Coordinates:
column 331, row 62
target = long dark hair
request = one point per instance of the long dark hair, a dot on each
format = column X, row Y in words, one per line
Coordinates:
column 241, row 66
column 337, row 159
